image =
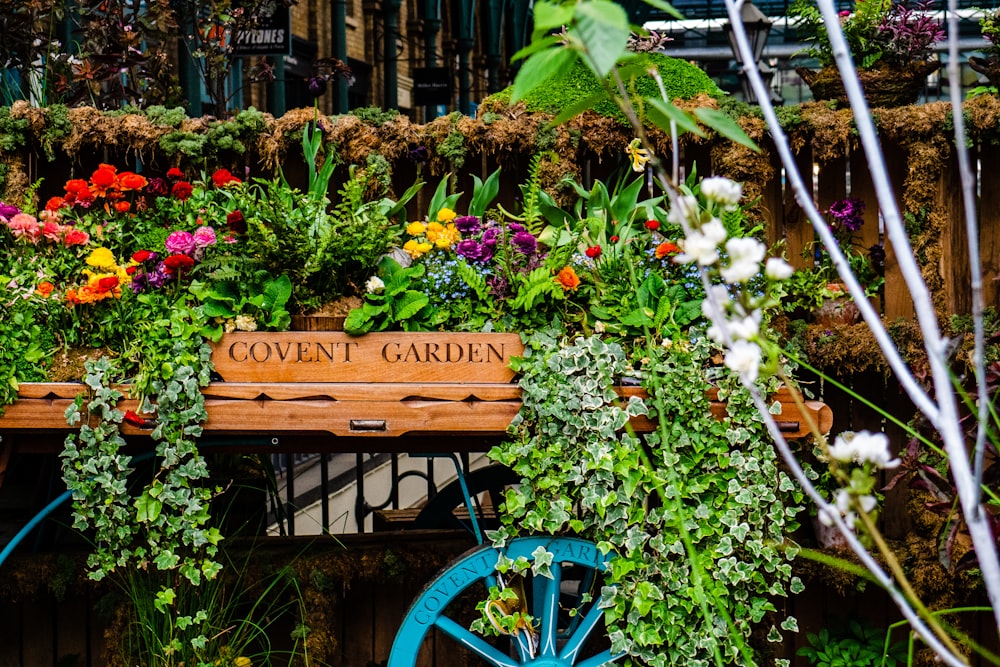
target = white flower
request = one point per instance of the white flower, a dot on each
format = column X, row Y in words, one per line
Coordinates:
column 744, row 358
column 245, row 323
column 599, row 327
column 863, row 447
column 702, row 245
column 745, row 256
column 745, row 328
column 778, row 269
column 725, row 192
column 374, row 284
column 684, row 211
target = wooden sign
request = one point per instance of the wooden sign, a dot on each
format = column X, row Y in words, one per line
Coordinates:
column 319, row 356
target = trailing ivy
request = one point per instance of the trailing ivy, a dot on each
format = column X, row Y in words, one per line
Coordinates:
column 720, row 510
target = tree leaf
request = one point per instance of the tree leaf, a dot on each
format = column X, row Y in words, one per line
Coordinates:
column 664, row 6
column 661, row 112
column 539, row 68
column 726, row 126
column 578, row 107
column 603, row 28
column 551, row 16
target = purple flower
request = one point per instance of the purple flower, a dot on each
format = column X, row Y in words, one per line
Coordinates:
column 317, row 86
column 180, row 242
column 418, row 154
column 516, row 227
column 877, row 255
column 203, row 237
column 470, row 249
column 847, row 213
column 467, row 224
column 158, row 187
column 490, row 236
column 525, row 242
column 8, row 211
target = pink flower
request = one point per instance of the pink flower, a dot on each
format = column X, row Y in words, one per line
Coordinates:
column 52, row 231
column 25, row 226
column 180, row 242
column 204, row 237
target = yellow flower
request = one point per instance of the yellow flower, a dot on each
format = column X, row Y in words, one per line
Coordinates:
column 102, row 258
column 434, row 230
column 638, row 156
column 416, row 228
column 448, row 237
column 242, row 661
column 446, row 215
column 415, row 248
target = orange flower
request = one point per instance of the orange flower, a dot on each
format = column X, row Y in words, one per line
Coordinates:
column 122, row 206
column 44, row 289
column 128, row 180
column 104, row 178
column 55, row 203
column 568, row 279
column 78, row 190
column 666, row 248
column 72, row 297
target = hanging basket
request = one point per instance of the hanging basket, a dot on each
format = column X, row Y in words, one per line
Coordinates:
column 883, row 87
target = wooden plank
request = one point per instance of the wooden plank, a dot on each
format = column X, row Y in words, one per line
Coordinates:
column 37, row 632
column 772, row 205
column 798, row 230
column 71, row 637
column 989, row 223
column 299, row 356
column 358, row 637
column 954, row 246
column 10, row 621
column 363, row 392
column 896, row 299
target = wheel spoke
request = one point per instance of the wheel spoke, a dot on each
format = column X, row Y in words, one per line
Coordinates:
column 548, row 609
column 602, row 658
column 474, row 643
column 586, row 625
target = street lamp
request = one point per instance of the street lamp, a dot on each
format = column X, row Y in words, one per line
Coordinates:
column 757, row 27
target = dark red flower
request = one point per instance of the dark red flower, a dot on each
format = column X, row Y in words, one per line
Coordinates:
column 175, row 174
column 614, row 239
column 652, row 225
column 158, row 187
column 182, row 190
column 593, row 251
column 236, row 223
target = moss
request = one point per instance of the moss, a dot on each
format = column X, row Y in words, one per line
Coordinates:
column 681, row 80
column 12, row 131
column 58, row 126
column 452, row 147
column 374, row 115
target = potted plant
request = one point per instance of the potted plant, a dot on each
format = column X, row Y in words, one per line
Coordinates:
column 891, row 44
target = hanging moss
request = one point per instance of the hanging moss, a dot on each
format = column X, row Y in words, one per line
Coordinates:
column 681, row 80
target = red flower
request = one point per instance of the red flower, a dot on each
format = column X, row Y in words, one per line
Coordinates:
column 222, row 177
column 105, row 177
column 614, row 239
column 141, row 256
column 593, row 251
column 76, row 237
column 175, row 174
column 122, row 206
column 78, row 190
column 130, row 270
column 182, row 190
column 107, row 283
column 652, row 225
column 178, row 263
column 236, row 223
column 55, row 203
column 128, row 180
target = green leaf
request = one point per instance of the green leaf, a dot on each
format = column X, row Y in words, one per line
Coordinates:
column 661, row 112
column 551, row 16
column 603, row 28
column 539, row 68
column 578, row 107
column 278, row 291
column 483, row 193
column 726, row 126
column 535, row 46
column 410, row 304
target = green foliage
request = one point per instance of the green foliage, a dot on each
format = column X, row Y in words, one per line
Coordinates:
column 161, row 115
column 241, row 305
column 13, row 131
column 681, row 80
column 374, row 115
column 723, row 499
column 395, row 305
column 452, row 147
column 57, row 127
column 27, row 346
column 857, row 645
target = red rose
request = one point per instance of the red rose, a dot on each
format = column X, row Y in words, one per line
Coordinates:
column 593, row 251
column 652, row 225
column 175, row 174
column 182, row 190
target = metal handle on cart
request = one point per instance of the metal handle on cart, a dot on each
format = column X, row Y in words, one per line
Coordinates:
column 370, row 425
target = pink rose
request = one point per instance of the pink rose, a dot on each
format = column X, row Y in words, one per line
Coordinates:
column 203, row 237
column 25, row 226
column 180, row 242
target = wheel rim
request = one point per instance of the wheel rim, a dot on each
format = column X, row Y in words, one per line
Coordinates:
column 562, row 641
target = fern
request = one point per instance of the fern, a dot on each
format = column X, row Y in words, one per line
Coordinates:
column 533, row 289
column 531, row 214
column 474, row 279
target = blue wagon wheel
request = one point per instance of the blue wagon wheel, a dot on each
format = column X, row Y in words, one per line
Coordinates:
column 563, row 608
